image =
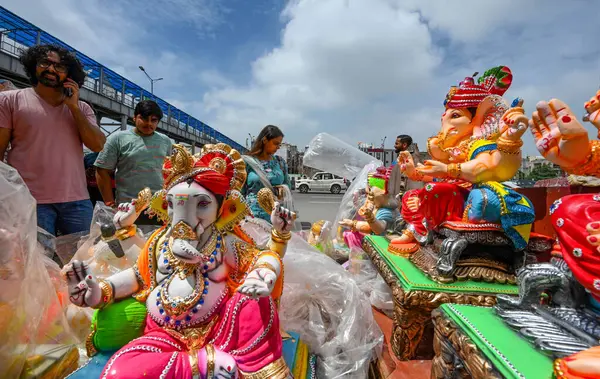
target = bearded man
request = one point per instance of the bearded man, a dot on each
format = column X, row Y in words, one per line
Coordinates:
column 399, row 183
column 46, row 126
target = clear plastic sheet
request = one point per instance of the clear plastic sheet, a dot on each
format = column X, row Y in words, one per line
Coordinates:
column 33, row 329
column 97, row 253
column 101, row 260
column 324, row 305
column 370, row 282
column 328, row 153
column 353, row 199
column 359, row 264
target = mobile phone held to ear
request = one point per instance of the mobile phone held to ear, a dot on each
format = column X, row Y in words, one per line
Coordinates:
column 68, row 92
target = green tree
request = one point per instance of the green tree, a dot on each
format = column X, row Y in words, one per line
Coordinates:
column 543, row 172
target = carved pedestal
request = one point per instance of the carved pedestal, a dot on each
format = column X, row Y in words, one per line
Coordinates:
column 472, row 342
column 456, row 356
column 412, row 335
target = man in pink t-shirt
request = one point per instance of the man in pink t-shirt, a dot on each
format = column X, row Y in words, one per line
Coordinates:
column 47, row 126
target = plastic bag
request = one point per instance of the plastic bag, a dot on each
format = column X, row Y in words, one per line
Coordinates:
column 328, row 153
column 324, row 305
column 353, row 199
column 35, row 335
column 98, row 254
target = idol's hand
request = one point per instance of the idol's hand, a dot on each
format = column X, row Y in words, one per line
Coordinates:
column 593, row 229
column 125, row 216
column 592, row 107
column 433, row 168
column 258, row 283
column 514, row 123
column 558, row 135
column 346, row 223
column 367, row 210
column 407, row 164
column 84, row 290
column 223, row 364
column 282, row 219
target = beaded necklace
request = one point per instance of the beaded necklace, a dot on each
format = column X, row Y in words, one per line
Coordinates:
column 170, row 307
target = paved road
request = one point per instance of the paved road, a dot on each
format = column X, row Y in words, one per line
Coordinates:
column 317, row 206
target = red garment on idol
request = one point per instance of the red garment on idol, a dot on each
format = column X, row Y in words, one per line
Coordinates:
column 570, row 217
column 247, row 329
column 438, row 202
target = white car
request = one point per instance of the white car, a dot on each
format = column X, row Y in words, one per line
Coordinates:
column 322, row 181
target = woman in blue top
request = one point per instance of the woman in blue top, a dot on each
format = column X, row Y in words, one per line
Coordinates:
column 265, row 169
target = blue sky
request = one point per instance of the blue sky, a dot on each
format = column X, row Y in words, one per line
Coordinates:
column 357, row 69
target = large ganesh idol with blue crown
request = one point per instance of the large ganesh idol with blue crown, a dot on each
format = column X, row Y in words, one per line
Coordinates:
column 202, row 295
column 475, row 226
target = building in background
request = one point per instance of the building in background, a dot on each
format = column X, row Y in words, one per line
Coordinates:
column 538, row 164
column 389, row 156
column 292, row 157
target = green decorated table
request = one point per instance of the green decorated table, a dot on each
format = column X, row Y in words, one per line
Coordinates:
column 471, row 342
column 416, row 296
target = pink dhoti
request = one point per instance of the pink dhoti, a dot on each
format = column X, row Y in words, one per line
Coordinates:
column 247, row 329
column 353, row 239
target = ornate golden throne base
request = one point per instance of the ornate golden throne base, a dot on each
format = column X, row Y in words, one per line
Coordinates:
column 479, row 269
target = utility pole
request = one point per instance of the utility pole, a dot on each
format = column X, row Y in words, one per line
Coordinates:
column 150, row 78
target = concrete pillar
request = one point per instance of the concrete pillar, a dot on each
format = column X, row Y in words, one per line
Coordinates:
column 123, row 122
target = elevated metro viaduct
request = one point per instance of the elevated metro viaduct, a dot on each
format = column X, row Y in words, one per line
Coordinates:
column 110, row 95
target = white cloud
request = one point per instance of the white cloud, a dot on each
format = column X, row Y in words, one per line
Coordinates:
column 333, row 55
column 359, row 69
column 364, row 69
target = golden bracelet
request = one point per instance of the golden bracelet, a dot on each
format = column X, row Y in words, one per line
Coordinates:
column 454, row 170
column 354, row 225
column 107, row 294
column 269, row 253
column 509, row 147
column 210, row 361
column 281, row 238
column 266, row 265
column 126, row 232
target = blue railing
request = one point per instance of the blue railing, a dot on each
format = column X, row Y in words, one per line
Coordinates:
column 17, row 33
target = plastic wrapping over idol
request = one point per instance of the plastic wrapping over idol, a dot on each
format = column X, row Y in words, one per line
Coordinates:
column 36, row 337
column 328, row 153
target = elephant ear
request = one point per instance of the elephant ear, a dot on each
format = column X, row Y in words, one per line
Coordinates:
column 232, row 212
column 496, row 80
column 488, row 118
column 158, row 207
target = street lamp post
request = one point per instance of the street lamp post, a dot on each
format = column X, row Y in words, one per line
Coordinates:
column 151, row 80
